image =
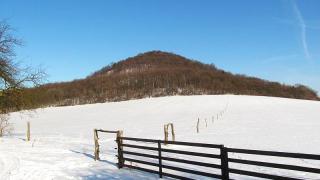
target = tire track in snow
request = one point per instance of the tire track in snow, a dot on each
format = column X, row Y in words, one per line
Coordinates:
column 9, row 163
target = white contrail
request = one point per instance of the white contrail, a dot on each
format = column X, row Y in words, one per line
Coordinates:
column 303, row 30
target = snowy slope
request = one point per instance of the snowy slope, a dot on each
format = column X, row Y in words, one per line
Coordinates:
column 62, row 145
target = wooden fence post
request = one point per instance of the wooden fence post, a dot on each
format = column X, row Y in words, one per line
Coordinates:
column 172, row 132
column 120, row 149
column 28, row 131
column 160, row 158
column 165, row 133
column 198, row 125
column 224, row 163
column 96, row 145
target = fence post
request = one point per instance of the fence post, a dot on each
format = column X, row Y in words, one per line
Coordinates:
column 120, row 150
column 172, row 132
column 198, row 125
column 165, row 127
column 160, row 158
column 224, row 163
column 28, row 131
column 96, row 145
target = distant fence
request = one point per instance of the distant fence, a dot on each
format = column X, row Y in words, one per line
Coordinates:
column 155, row 158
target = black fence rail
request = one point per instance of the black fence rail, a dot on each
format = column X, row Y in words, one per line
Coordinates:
column 216, row 171
column 272, row 165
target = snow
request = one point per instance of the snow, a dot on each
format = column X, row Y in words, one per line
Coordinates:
column 62, row 137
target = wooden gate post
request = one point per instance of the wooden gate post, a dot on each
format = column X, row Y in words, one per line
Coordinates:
column 224, row 163
column 165, row 127
column 172, row 132
column 120, row 149
column 96, row 145
column 28, row 131
column 166, row 133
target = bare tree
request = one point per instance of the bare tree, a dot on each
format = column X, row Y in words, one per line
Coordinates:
column 13, row 77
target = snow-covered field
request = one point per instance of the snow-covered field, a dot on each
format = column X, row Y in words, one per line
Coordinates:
column 62, row 137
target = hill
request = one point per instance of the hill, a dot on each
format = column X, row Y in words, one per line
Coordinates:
column 157, row 73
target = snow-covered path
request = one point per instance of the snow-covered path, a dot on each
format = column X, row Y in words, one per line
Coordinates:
column 62, row 145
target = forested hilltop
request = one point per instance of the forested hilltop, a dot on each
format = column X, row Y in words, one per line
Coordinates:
column 154, row 74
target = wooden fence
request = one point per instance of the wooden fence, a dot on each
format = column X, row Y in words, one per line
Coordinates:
column 219, row 170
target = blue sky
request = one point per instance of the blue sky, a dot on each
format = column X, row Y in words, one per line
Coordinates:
column 277, row 40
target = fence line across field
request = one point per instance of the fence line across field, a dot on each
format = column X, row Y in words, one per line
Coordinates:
column 225, row 161
column 223, row 169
